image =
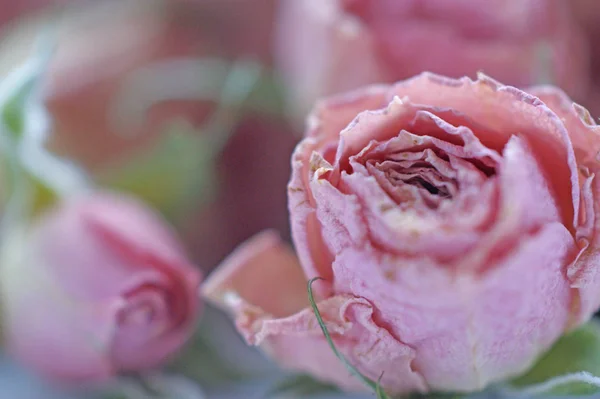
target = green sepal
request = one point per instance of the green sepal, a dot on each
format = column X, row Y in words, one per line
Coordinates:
column 578, row 351
column 299, row 386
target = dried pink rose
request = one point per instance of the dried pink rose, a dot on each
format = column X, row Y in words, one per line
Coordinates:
column 455, row 223
column 350, row 43
column 99, row 285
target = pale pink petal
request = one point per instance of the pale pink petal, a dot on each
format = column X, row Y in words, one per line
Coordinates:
column 117, row 239
column 126, row 217
column 45, row 328
column 584, row 273
column 512, row 51
column 320, row 30
column 298, row 343
column 357, row 42
column 306, row 229
column 513, row 324
column 325, row 123
column 582, row 129
column 265, row 272
column 466, row 335
column 525, row 205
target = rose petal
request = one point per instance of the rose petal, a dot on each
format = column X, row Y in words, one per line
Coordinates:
column 488, row 102
column 461, row 335
column 584, row 273
column 265, row 272
column 582, row 129
column 67, row 339
column 525, row 205
column 330, row 37
column 143, row 323
column 298, row 342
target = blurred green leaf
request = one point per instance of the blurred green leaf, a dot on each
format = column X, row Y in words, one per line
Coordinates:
column 244, row 85
column 23, row 123
column 12, row 111
column 267, row 97
column 33, row 178
column 112, row 395
column 22, row 113
column 578, row 351
column 216, row 355
column 156, row 385
column 177, row 170
column 442, row 395
column 195, row 79
column 202, row 362
column 43, row 196
column 300, row 386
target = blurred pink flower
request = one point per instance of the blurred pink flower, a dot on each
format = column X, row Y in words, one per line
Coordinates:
column 98, row 285
column 328, row 46
column 587, row 14
column 13, row 10
column 252, row 192
column 85, row 80
column 109, row 43
column 455, row 223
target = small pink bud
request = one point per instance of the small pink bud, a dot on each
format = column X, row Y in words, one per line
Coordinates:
column 98, row 285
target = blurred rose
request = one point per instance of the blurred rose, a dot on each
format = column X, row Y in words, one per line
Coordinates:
column 85, row 80
column 12, row 10
column 328, row 46
column 251, row 195
column 455, row 224
column 99, row 53
column 587, row 14
column 103, row 47
column 99, row 285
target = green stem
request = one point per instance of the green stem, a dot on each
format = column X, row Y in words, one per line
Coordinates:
column 375, row 386
column 239, row 84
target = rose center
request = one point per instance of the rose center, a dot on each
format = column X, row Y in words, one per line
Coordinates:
column 420, row 182
column 412, row 178
column 147, row 310
column 140, row 315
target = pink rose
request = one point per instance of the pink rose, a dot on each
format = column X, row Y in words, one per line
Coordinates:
column 99, row 285
column 454, row 222
column 351, row 43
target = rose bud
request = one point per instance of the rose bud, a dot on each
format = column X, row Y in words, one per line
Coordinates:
column 454, row 223
column 97, row 286
column 519, row 42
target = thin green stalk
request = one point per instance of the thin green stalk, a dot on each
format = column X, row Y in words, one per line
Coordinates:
column 375, row 386
column 241, row 80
